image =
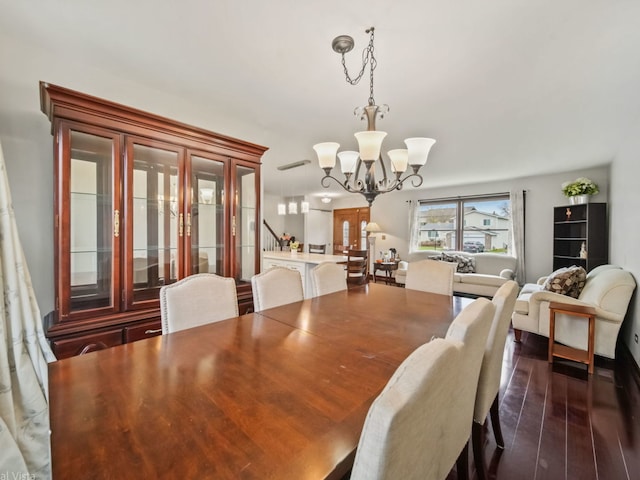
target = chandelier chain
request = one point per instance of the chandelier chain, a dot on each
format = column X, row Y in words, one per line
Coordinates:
column 367, row 57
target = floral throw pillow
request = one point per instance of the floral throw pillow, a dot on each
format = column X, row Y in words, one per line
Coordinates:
column 566, row 281
column 465, row 264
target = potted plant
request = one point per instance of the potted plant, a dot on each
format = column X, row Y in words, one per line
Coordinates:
column 579, row 190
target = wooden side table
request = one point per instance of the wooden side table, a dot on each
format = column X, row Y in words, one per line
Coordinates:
column 570, row 353
column 387, row 268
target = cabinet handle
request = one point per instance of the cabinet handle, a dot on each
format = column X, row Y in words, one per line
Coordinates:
column 181, row 226
column 116, row 223
column 149, row 332
column 233, row 225
column 189, row 224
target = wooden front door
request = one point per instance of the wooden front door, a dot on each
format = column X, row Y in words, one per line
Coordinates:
column 348, row 229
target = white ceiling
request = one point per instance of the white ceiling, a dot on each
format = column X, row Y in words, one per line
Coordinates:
column 507, row 87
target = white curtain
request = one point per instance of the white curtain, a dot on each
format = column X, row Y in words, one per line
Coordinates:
column 24, row 353
column 414, row 207
column 517, row 231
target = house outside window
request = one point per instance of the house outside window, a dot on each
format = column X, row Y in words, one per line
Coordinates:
column 472, row 224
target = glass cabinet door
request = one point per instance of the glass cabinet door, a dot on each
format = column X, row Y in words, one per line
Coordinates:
column 90, row 213
column 244, row 222
column 155, row 220
column 206, row 218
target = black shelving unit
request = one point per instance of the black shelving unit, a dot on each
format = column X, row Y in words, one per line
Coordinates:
column 574, row 225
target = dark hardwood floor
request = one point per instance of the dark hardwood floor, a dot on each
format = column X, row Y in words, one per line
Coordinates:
column 559, row 422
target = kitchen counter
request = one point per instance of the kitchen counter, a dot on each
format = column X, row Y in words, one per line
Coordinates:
column 301, row 262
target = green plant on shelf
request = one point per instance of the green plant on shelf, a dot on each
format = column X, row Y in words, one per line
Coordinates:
column 580, row 186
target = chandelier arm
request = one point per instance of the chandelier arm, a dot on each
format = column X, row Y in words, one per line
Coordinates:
column 384, row 169
column 345, row 185
column 359, row 186
column 414, row 182
column 387, row 184
column 357, row 172
column 398, row 184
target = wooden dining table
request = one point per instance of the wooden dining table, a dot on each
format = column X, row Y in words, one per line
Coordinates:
column 280, row 394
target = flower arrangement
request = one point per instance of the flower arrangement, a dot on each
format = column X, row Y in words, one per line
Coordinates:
column 294, row 246
column 580, row 186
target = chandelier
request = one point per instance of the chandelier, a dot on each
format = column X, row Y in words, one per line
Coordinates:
column 370, row 141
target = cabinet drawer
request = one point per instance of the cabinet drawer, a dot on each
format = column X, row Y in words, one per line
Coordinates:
column 272, row 263
column 69, row 347
column 142, row 331
column 297, row 266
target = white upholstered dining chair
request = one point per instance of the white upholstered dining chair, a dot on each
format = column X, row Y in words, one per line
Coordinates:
column 489, row 381
column 328, row 278
column 276, row 286
column 197, row 300
column 431, row 276
column 403, row 431
column 469, row 330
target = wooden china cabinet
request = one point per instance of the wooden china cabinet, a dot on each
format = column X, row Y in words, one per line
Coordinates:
column 141, row 201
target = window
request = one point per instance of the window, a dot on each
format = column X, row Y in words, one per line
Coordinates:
column 345, row 233
column 470, row 224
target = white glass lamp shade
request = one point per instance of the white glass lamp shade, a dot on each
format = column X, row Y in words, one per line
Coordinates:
column 369, row 144
column 326, row 153
column 325, row 200
column 399, row 159
column 419, row 149
column 304, row 207
column 293, row 208
column 282, row 209
column 348, row 161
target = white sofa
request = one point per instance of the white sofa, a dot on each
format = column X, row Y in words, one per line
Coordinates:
column 608, row 289
column 492, row 270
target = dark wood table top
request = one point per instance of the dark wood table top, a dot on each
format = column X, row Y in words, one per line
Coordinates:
column 281, row 394
column 377, row 320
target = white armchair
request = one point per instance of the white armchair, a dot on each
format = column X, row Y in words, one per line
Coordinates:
column 608, row 289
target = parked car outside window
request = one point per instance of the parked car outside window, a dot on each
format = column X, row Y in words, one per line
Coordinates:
column 473, row 246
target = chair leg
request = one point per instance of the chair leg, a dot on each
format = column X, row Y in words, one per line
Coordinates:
column 477, row 437
column 462, row 464
column 495, row 423
column 517, row 334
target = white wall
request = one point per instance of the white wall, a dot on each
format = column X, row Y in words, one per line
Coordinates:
column 292, row 224
column 270, row 215
column 318, row 228
column 625, row 230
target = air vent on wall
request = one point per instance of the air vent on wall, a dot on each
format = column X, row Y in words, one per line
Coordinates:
column 289, row 166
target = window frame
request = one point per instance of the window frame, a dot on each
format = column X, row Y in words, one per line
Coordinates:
column 460, row 225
